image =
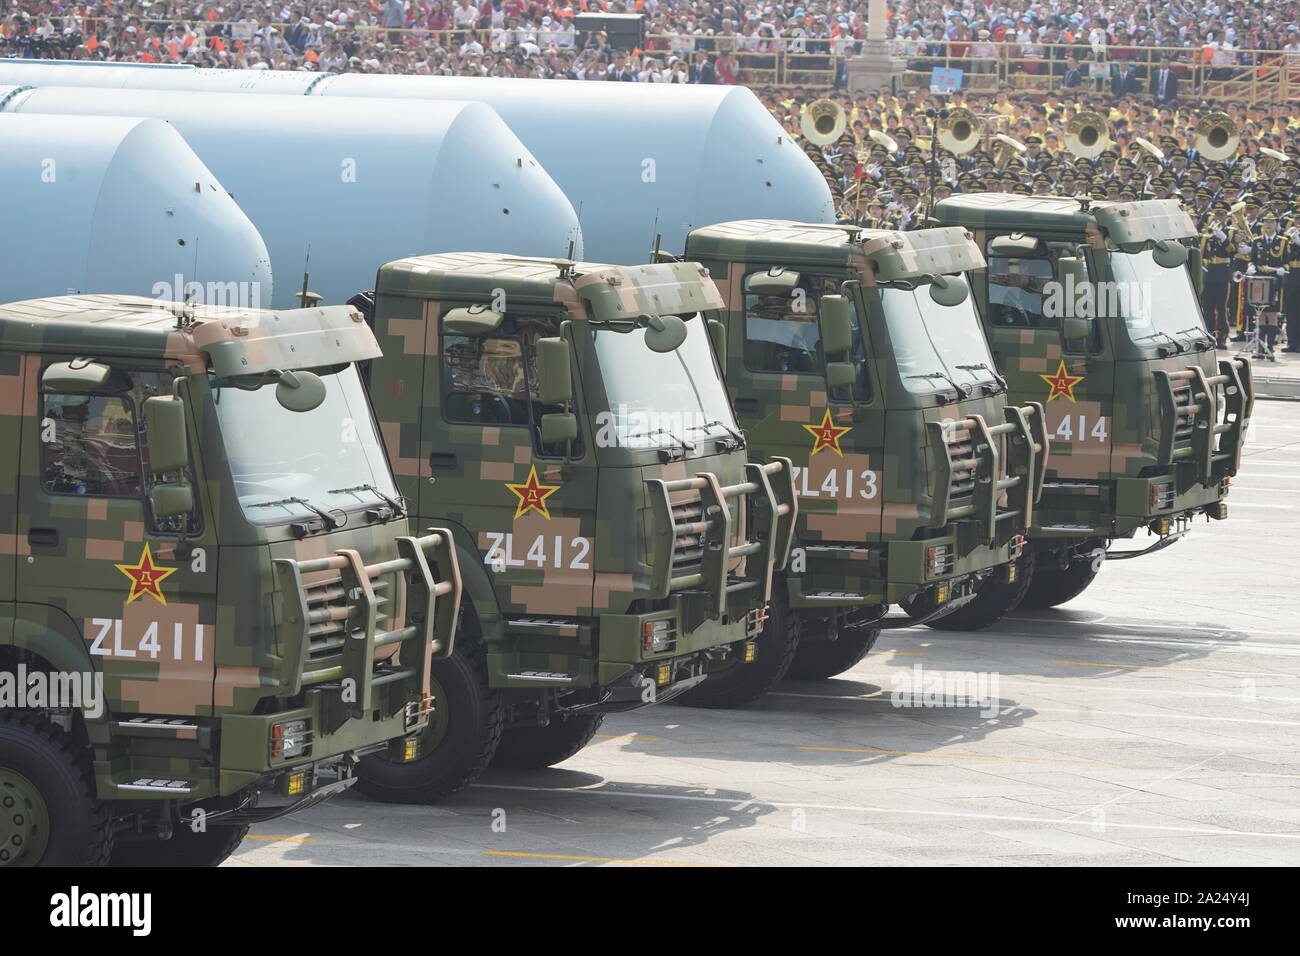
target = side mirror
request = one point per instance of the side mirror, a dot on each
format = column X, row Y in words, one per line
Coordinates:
column 837, row 329
column 1016, row 246
column 554, row 378
column 1169, row 254
column 300, row 391
column 773, row 282
column 718, row 336
column 562, row 426
column 840, row 374
column 1196, row 266
column 164, row 426
column 948, row 290
column 1075, row 327
column 168, row 501
column 663, row 333
column 472, row 320
column 75, row 377
column 1071, row 272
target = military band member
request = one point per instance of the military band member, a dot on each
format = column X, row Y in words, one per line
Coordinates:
column 1216, row 255
column 1268, row 256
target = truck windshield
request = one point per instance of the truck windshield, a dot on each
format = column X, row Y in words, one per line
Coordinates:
column 934, row 342
column 662, row 398
column 1158, row 304
column 289, row 465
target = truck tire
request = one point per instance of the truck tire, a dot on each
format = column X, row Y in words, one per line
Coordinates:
column 822, row 660
column 533, row 748
column 743, row 684
column 992, row 602
column 50, row 814
column 461, row 737
column 185, row 848
column 1052, row 586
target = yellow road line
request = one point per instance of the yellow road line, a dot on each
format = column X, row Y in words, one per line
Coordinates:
column 922, row 753
column 1170, row 667
column 254, row 836
column 633, row 736
column 592, row 859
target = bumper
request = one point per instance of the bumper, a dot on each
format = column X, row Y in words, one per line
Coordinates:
column 887, row 574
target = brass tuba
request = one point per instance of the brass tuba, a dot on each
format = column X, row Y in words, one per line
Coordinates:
column 1006, row 148
column 1087, row 135
column 1216, row 136
column 822, row 121
column 960, row 131
column 1271, row 162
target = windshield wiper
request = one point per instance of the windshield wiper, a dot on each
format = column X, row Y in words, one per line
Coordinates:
column 1172, row 341
column 686, row 446
column 981, row 365
column 399, row 511
column 960, row 389
column 331, row 522
column 740, row 439
column 1202, row 336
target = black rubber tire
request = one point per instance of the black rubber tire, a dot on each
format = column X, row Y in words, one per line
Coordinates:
column 994, row 600
column 474, row 716
column 533, row 748
column 1052, row 587
column 52, row 762
column 822, row 660
column 743, row 684
column 185, row 848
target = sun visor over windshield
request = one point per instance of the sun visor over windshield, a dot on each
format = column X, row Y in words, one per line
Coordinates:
column 256, row 342
column 910, row 255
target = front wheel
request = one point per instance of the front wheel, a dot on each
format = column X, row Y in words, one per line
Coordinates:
column 742, row 684
column 1053, row 585
column 49, row 812
column 822, row 660
column 462, row 736
column 532, row 748
column 994, row 599
column 185, row 848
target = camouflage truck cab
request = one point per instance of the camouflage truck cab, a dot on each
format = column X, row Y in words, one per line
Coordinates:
column 569, row 423
column 1091, row 309
column 858, row 355
column 209, row 597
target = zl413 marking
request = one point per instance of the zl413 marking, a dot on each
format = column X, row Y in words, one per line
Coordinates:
column 846, row 483
column 546, row 551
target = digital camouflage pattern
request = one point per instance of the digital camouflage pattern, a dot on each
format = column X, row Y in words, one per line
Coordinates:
column 872, row 466
column 1142, row 429
column 567, row 561
column 206, row 631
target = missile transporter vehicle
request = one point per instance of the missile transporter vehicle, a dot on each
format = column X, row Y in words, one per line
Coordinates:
column 568, row 421
column 211, row 606
column 1092, row 309
column 858, row 355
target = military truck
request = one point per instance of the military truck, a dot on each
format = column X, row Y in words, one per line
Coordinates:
column 210, row 604
column 857, row 353
column 1091, row 309
column 568, row 422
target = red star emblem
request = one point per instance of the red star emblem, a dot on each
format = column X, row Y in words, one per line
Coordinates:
column 827, row 434
column 532, row 495
column 1062, row 383
column 146, row 577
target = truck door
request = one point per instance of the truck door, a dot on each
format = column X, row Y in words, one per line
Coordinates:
column 836, row 446
column 1026, row 309
column 99, row 568
column 532, row 518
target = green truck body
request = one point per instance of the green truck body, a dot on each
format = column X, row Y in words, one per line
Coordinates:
column 916, row 477
column 1091, row 309
column 617, row 544
column 233, row 574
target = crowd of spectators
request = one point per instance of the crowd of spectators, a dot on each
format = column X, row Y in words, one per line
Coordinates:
column 720, row 40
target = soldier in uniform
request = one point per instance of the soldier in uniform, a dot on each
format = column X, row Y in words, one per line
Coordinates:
column 1291, row 286
column 1216, row 255
column 1268, row 256
column 1241, row 242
